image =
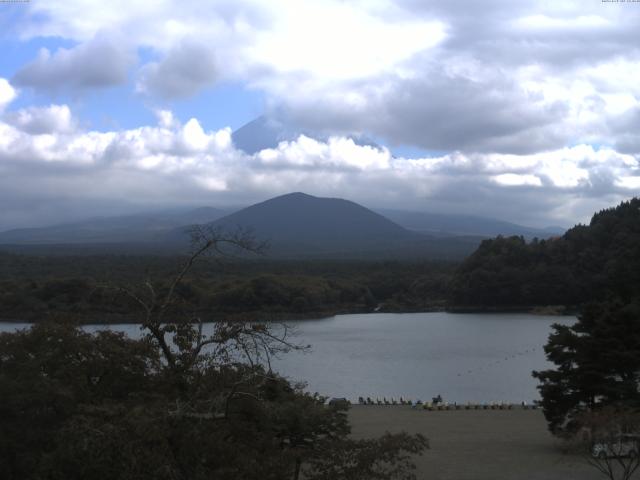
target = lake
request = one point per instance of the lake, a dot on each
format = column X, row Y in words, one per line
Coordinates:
column 463, row 357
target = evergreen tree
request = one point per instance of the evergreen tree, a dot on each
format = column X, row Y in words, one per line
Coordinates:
column 597, row 364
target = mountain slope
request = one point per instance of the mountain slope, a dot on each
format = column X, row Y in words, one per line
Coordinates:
column 319, row 223
column 295, row 225
column 128, row 228
column 448, row 225
column 262, row 133
column 266, row 132
column 300, row 225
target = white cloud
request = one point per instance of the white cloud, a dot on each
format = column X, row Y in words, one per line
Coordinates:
column 7, row 93
column 185, row 70
column 515, row 180
column 101, row 62
column 337, row 153
column 531, row 106
column 340, row 40
column 194, row 137
column 493, row 76
column 165, row 118
column 173, row 163
column 631, row 183
column 39, row 120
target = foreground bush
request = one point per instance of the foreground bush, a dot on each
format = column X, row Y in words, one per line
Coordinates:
column 176, row 404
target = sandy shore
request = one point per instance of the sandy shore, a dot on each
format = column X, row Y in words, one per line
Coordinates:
column 477, row 444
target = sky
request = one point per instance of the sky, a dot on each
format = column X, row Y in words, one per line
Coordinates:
column 523, row 111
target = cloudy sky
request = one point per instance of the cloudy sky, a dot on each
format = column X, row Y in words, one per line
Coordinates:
column 524, row 111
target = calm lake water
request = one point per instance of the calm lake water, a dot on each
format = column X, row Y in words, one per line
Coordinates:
column 463, row 357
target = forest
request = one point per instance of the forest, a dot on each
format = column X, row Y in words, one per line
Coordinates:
column 82, row 288
column 589, row 262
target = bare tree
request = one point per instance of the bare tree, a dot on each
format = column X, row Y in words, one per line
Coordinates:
column 610, row 440
column 178, row 329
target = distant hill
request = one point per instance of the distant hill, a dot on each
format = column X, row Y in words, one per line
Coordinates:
column 316, row 223
column 148, row 227
column 588, row 262
column 296, row 225
column 448, row 225
column 301, row 225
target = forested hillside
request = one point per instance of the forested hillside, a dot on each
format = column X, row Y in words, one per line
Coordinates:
column 589, row 262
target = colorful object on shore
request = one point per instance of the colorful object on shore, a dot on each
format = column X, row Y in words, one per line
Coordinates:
column 442, row 406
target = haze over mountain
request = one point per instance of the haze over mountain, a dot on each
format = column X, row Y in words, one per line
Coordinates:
column 267, row 132
column 301, row 225
column 295, row 225
column 447, row 225
column 142, row 227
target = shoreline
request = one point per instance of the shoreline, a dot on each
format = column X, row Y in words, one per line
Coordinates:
column 542, row 310
column 562, row 310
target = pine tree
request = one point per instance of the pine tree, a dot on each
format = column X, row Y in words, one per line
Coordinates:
column 597, row 364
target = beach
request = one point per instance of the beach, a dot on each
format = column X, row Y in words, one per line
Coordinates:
column 477, row 444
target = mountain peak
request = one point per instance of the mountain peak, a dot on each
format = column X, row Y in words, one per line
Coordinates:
column 267, row 132
column 294, row 195
column 302, row 221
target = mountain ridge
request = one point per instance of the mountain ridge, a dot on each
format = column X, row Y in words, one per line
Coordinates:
column 456, row 224
column 296, row 225
column 139, row 227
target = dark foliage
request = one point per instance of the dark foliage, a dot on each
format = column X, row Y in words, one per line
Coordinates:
column 37, row 288
column 180, row 403
column 76, row 406
column 597, row 364
column 54, row 376
column 586, row 263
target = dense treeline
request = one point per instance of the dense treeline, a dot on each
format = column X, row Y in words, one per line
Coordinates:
column 37, row 288
column 589, row 262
